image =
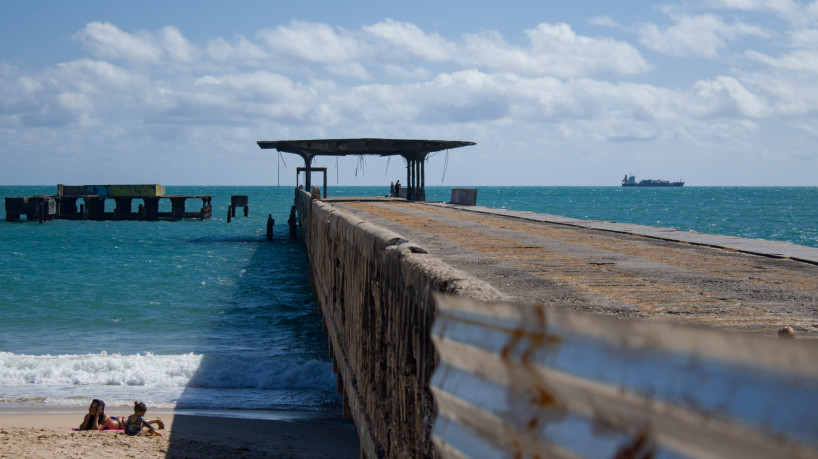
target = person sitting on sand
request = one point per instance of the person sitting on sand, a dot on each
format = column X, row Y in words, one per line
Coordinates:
column 96, row 419
column 136, row 424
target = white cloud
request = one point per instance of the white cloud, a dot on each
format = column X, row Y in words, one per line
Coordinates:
column 785, row 8
column 805, row 37
column 798, row 14
column 315, row 43
column 352, row 69
column 573, row 92
column 727, row 97
column 400, row 72
column 176, row 46
column 702, row 36
column 605, row 21
column 797, row 61
column 242, row 50
column 95, row 76
column 107, row 40
column 554, row 49
column 412, row 39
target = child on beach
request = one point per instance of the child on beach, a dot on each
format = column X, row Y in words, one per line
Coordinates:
column 96, row 419
column 136, row 424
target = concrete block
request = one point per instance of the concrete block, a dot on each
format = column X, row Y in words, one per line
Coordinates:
column 464, row 196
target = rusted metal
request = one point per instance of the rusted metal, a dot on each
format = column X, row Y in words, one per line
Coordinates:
column 518, row 380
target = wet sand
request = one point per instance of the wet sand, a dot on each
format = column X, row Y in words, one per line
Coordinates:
column 48, row 435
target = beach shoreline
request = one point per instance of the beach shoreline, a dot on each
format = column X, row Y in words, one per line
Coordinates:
column 39, row 434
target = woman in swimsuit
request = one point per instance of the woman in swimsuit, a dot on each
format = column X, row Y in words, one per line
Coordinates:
column 96, row 419
column 136, row 424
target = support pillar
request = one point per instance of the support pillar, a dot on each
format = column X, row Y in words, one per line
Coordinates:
column 408, row 178
column 151, row 210
column 96, row 208
column 410, row 191
column 207, row 209
column 423, row 179
column 122, row 211
column 291, row 222
column 418, row 195
column 308, row 171
column 177, row 206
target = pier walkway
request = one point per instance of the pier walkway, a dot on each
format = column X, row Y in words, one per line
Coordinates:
column 613, row 268
column 461, row 331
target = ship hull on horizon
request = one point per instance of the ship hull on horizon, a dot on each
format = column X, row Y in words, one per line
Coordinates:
column 630, row 180
column 643, row 184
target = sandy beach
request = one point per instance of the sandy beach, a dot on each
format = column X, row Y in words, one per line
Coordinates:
column 49, row 435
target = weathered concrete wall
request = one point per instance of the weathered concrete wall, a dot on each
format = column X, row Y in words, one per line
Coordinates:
column 374, row 289
column 525, row 380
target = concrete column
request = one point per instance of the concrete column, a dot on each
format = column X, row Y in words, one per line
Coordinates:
column 418, row 188
column 151, row 208
column 423, row 173
column 122, row 211
column 177, row 206
column 408, row 176
column 308, row 172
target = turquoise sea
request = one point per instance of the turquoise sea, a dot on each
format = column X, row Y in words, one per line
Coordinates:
column 207, row 315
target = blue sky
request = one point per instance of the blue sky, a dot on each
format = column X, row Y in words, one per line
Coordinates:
column 720, row 92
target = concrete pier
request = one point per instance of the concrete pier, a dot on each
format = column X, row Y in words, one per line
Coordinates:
column 377, row 264
column 613, row 268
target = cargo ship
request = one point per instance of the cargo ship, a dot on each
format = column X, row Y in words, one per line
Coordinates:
column 630, row 180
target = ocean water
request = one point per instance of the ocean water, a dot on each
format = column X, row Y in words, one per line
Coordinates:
column 774, row 213
column 196, row 315
column 207, row 315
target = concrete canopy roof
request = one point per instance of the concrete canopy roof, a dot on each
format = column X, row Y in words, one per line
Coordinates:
column 410, row 149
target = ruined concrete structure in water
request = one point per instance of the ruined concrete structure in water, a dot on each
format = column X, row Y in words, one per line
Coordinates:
column 91, row 200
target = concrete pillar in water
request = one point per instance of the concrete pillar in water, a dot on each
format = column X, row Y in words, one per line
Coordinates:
column 177, row 207
column 292, row 221
column 270, row 224
column 122, row 211
column 151, row 208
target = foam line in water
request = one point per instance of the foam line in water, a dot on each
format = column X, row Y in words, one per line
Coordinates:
column 249, row 370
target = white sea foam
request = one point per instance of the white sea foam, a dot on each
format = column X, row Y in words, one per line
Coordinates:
column 186, row 380
column 98, row 369
column 179, row 370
